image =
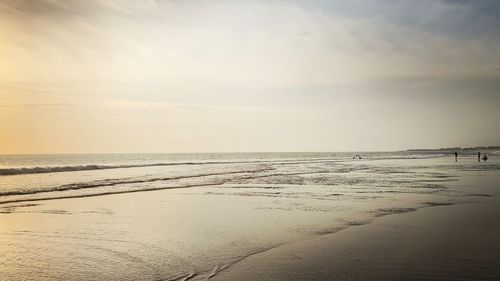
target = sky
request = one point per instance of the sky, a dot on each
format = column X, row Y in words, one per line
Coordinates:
column 98, row 76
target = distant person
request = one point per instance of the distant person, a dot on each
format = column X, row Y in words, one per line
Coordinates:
column 456, row 157
column 485, row 157
column 478, row 156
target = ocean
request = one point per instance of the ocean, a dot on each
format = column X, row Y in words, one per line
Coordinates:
column 34, row 177
column 191, row 216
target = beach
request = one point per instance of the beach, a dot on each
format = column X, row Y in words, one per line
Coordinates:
column 457, row 242
column 298, row 217
column 169, row 140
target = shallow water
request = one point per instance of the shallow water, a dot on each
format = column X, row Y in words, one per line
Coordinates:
column 203, row 212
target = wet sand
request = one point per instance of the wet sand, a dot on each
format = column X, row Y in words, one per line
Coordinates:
column 459, row 242
column 366, row 220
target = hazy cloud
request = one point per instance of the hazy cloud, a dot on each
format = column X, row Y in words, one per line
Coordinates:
column 217, row 75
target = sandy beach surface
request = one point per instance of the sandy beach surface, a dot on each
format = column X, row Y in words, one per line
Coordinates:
column 458, row 242
column 374, row 219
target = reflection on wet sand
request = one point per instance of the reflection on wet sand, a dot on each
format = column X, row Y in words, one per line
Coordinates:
column 222, row 217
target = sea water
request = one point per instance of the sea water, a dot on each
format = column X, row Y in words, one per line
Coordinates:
column 190, row 216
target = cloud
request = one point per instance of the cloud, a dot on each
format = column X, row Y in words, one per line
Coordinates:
column 278, row 67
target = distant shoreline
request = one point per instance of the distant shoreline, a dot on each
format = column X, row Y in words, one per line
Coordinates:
column 453, row 149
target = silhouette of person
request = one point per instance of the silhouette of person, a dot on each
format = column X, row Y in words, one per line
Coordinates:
column 485, row 157
column 456, row 157
column 478, row 156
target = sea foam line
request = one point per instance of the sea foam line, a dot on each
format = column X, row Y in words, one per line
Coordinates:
column 77, row 186
column 73, row 168
column 58, row 169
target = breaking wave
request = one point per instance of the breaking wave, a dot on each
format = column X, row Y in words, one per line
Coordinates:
column 58, row 169
column 111, row 182
column 73, row 168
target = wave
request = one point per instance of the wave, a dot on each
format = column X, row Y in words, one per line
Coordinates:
column 112, row 182
column 58, row 169
column 74, row 168
column 245, row 175
column 98, row 194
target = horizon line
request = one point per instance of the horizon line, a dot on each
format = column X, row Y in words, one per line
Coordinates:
column 258, row 152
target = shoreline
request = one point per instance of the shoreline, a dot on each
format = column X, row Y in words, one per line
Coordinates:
column 281, row 226
column 220, row 269
column 412, row 244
